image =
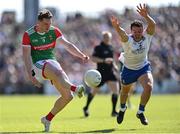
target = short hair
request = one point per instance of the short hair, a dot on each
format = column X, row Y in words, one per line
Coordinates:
column 136, row 23
column 44, row 13
column 107, row 33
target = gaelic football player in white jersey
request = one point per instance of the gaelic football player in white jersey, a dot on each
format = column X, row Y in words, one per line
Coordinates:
column 136, row 64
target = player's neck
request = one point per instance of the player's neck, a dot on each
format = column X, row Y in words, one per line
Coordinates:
column 40, row 30
column 137, row 39
column 106, row 42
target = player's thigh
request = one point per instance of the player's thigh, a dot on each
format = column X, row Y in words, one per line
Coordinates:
column 146, row 80
column 113, row 86
column 52, row 70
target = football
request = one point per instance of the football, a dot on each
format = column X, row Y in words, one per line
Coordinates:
column 92, row 78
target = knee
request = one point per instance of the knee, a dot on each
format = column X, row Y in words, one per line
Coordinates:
column 125, row 90
column 149, row 87
column 68, row 97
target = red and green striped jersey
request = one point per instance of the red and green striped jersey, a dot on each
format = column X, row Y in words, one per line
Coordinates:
column 42, row 45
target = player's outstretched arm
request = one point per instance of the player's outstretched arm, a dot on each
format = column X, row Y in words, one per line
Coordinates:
column 122, row 33
column 142, row 10
column 71, row 48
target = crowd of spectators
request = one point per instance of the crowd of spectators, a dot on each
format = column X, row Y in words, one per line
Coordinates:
column 86, row 33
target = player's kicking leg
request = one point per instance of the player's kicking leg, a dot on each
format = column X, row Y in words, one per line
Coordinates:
column 80, row 89
column 46, row 124
column 54, row 72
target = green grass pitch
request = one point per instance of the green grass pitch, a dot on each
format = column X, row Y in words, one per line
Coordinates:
column 21, row 114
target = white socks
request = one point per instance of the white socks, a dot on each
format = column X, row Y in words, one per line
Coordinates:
column 140, row 111
column 123, row 109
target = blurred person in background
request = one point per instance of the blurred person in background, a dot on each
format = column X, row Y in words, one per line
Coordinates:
column 38, row 46
column 103, row 56
column 136, row 64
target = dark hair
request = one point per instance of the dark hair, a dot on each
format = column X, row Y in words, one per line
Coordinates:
column 44, row 13
column 136, row 23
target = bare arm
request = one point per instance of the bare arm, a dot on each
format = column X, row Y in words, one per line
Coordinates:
column 28, row 64
column 123, row 35
column 27, row 59
column 71, row 48
column 142, row 10
column 101, row 60
column 97, row 60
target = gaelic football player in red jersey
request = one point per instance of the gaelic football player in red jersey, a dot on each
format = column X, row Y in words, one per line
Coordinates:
column 38, row 46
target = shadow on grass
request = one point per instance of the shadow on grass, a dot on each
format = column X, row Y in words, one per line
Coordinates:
column 111, row 130
column 100, row 131
column 81, row 117
column 27, row 132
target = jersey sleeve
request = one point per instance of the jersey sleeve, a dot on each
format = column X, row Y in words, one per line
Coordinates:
column 58, row 32
column 96, row 52
column 26, row 39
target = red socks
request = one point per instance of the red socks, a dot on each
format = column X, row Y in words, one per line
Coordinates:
column 50, row 116
column 73, row 88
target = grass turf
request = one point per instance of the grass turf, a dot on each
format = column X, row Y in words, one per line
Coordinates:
column 21, row 114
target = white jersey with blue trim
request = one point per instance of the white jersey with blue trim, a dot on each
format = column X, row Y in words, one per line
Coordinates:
column 136, row 53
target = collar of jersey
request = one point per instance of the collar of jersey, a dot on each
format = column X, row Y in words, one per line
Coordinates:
column 41, row 33
column 35, row 28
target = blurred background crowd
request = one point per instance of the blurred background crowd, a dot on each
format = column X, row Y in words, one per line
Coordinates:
column 85, row 32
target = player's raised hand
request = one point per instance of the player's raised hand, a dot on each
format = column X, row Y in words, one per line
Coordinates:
column 142, row 10
column 114, row 21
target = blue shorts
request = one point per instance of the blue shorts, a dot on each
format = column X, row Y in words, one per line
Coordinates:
column 129, row 76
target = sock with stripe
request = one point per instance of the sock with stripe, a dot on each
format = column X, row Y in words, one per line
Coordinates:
column 73, row 88
column 49, row 116
column 141, row 109
column 123, row 107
